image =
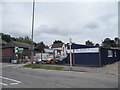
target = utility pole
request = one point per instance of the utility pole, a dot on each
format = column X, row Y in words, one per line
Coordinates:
column 70, row 53
column 32, row 30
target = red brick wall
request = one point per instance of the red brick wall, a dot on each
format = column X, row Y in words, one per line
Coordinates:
column 7, row 52
column 10, row 52
column 0, row 52
column 27, row 52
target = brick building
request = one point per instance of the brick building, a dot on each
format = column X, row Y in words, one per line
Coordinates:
column 2, row 43
column 8, row 51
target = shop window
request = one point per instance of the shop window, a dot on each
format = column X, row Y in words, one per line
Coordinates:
column 115, row 54
column 110, row 53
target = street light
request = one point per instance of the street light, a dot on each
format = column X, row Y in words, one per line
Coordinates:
column 32, row 30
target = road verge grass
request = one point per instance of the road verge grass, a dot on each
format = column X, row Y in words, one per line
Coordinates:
column 42, row 66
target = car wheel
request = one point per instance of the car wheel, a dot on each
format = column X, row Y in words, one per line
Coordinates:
column 42, row 62
column 52, row 62
column 63, row 62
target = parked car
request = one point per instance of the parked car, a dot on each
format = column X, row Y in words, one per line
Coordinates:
column 60, row 59
column 38, row 61
column 48, row 59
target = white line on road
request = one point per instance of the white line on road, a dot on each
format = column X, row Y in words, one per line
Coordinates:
column 3, row 84
column 14, row 83
column 10, row 79
column 7, row 66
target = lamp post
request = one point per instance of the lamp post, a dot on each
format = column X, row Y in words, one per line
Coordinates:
column 32, row 30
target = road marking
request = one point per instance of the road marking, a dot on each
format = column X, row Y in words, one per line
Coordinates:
column 10, row 79
column 3, row 84
column 7, row 66
column 14, row 83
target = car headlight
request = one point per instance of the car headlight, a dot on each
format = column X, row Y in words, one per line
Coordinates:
column 34, row 62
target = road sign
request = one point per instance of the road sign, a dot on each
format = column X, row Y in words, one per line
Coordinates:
column 18, row 50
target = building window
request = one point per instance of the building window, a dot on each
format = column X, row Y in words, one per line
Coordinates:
column 115, row 54
column 110, row 53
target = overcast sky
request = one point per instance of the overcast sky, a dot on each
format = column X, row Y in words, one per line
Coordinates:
column 81, row 21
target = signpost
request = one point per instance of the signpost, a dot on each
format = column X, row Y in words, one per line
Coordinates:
column 18, row 51
column 70, row 53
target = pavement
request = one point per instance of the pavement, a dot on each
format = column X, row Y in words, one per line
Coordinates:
column 16, row 76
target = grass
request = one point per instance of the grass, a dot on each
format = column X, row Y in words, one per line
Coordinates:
column 43, row 66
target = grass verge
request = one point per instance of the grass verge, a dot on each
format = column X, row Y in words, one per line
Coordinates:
column 43, row 66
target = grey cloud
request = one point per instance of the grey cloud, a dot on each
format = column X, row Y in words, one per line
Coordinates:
column 92, row 25
column 44, row 29
column 108, row 16
column 56, row 31
column 15, row 30
column 61, row 22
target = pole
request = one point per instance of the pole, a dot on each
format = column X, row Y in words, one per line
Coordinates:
column 41, row 55
column 70, row 54
column 32, row 30
column 73, row 56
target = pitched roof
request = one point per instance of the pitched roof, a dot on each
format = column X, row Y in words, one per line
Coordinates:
column 2, row 42
column 78, row 46
column 13, row 44
column 57, row 45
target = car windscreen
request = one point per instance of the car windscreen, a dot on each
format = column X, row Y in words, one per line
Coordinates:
column 50, row 56
column 63, row 56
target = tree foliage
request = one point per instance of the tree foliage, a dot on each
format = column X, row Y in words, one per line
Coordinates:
column 25, row 40
column 89, row 43
column 6, row 37
column 117, row 41
column 41, row 46
column 57, row 41
column 97, row 45
column 107, row 43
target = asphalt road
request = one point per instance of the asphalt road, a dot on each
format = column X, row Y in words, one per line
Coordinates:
column 15, row 77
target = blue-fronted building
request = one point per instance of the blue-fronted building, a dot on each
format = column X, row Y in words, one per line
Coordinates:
column 92, row 55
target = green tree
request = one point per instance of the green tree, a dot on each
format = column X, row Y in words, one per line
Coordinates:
column 117, row 42
column 108, row 43
column 13, row 38
column 5, row 37
column 41, row 46
column 89, row 43
column 57, row 41
column 97, row 45
column 25, row 40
